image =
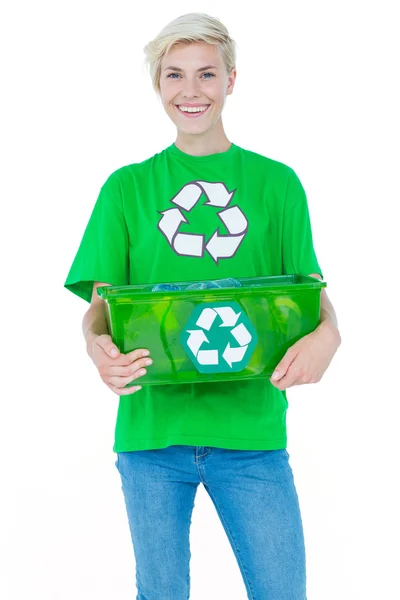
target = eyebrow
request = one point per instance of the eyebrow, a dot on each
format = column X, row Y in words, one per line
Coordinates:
column 198, row 70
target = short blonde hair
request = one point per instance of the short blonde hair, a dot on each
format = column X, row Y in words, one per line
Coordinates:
column 189, row 28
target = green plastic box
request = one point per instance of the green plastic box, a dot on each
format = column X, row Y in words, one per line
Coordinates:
column 215, row 334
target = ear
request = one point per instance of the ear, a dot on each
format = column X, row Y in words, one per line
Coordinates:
column 231, row 81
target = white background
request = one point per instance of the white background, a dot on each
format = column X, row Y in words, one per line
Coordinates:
column 316, row 89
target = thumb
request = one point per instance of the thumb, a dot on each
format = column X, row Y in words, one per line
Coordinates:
column 108, row 345
column 282, row 367
column 278, row 373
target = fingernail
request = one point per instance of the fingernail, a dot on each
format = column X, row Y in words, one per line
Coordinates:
column 275, row 375
column 114, row 352
column 145, row 353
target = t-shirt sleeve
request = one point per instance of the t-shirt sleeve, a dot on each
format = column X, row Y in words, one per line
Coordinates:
column 298, row 253
column 103, row 254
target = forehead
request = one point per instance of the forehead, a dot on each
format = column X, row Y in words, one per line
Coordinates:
column 192, row 55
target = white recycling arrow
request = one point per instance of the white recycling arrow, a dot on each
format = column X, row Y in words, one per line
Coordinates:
column 195, row 340
column 228, row 316
column 234, row 219
column 216, row 193
column 206, row 318
column 208, row 357
column 223, row 246
column 189, row 244
column 241, row 334
column 170, row 221
column 187, row 196
column 232, row 355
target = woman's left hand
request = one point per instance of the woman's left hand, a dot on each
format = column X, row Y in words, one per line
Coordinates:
column 308, row 359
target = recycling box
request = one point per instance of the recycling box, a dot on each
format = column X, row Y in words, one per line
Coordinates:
column 216, row 334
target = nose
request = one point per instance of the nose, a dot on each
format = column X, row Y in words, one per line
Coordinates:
column 190, row 88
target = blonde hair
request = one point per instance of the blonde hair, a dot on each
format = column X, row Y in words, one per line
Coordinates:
column 186, row 29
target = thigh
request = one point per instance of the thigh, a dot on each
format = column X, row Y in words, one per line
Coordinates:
column 159, row 499
column 256, row 499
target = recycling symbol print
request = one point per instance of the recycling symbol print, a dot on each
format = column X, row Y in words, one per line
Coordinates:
column 219, row 337
column 195, row 244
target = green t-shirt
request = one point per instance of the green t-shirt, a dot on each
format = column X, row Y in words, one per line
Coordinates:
column 157, row 221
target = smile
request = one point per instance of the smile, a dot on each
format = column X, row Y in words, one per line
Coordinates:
column 194, row 114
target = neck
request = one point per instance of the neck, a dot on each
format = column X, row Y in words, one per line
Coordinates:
column 202, row 144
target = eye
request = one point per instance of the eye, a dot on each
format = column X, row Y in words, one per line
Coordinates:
column 212, row 75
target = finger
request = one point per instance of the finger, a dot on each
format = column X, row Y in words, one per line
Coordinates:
column 124, row 391
column 140, row 351
column 123, row 381
column 283, row 366
column 127, row 359
column 105, row 342
column 289, row 380
column 128, row 370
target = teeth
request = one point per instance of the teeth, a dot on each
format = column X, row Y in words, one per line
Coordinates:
column 193, row 108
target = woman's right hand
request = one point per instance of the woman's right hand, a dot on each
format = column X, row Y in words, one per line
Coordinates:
column 117, row 369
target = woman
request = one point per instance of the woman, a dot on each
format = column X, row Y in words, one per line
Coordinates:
column 150, row 224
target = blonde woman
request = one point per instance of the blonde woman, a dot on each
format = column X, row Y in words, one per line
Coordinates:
column 229, row 436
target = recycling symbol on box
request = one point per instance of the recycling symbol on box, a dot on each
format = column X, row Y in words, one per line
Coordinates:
column 219, row 337
column 194, row 244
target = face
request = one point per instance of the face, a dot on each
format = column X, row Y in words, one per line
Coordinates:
column 193, row 84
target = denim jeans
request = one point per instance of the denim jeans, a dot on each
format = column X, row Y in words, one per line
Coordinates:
column 255, row 497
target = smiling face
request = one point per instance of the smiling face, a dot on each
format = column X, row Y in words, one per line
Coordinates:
column 188, row 82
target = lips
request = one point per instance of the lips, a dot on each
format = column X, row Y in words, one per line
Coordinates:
column 192, row 115
column 193, row 105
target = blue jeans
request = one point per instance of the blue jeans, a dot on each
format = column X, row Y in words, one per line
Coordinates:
column 255, row 497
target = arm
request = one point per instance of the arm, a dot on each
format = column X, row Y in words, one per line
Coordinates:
column 308, row 359
column 115, row 369
column 328, row 320
column 94, row 321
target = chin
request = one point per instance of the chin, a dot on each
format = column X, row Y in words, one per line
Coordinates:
column 192, row 128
